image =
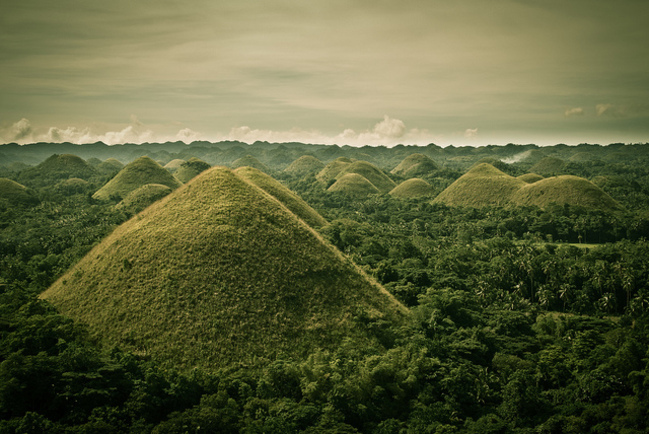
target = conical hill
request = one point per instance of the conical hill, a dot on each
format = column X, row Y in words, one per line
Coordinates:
column 548, row 166
column 16, row 194
column 290, row 200
column 415, row 165
column 219, row 272
column 250, row 161
column 134, row 175
column 305, row 165
column 412, row 188
column 331, row 170
column 482, row 185
column 56, row 168
column 174, row 165
column 354, row 185
column 370, row 172
column 530, row 178
column 566, row 189
column 190, row 168
column 141, row 197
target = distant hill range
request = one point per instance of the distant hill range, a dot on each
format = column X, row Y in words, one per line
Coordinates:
column 225, row 269
column 485, row 185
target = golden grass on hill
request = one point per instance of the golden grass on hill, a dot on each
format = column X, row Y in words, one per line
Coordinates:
column 370, row 172
column 58, row 167
column 566, row 189
column 415, row 165
column 354, row 185
column 250, row 161
column 190, row 168
column 134, row 175
column 331, row 170
column 110, row 166
column 220, row 272
column 283, row 194
column 16, row 194
column 305, row 165
column 482, row 185
column 530, row 178
column 412, row 188
column 141, row 197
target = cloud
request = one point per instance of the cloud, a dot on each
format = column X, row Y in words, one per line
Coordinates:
column 575, row 111
column 392, row 128
column 19, row 132
column 471, row 133
column 609, row 110
column 188, row 135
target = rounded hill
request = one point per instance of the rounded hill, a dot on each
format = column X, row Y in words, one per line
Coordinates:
column 370, row 172
column 110, row 166
column 134, row 175
column 415, row 165
column 566, row 189
column 17, row 194
column 174, row 164
column 56, row 168
column 331, row 170
column 220, row 272
column 481, row 186
column 548, row 166
column 190, row 168
column 250, row 161
column 305, row 165
column 142, row 197
column 412, row 188
column 530, row 177
column 353, row 184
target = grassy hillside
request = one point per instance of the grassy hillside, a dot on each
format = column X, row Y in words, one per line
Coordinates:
column 289, row 199
column 480, row 186
column 353, row 184
column 174, row 165
column 16, row 194
column 134, row 175
column 331, row 170
column 412, row 188
column 530, row 178
column 56, row 168
column 564, row 189
column 220, row 272
column 190, row 168
column 370, row 172
column 305, row 165
column 415, row 165
column 548, row 166
column 141, row 197
column 110, row 166
column 250, row 161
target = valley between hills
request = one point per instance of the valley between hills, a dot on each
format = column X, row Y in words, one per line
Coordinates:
column 289, row 287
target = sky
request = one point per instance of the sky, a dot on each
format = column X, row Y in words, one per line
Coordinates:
column 355, row 72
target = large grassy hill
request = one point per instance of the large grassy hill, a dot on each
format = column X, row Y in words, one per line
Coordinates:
column 480, row 186
column 221, row 272
column 305, row 165
column 370, row 172
column 565, row 189
column 190, row 168
column 412, row 188
column 354, row 185
column 134, row 175
column 415, row 165
column 16, row 194
column 250, row 161
column 331, row 170
column 141, row 197
column 56, row 168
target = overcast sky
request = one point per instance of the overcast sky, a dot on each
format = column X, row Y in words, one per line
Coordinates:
column 353, row 72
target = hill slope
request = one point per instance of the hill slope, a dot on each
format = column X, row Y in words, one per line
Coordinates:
column 353, row 184
column 415, row 165
column 304, row 165
column 250, row 161
column 370, row 172
column 16, row 194
column 141, row 197
column 134, row 175
column 565, row 189
column 56, row 168
column 190, row 168
column 411, row 188
column 482, row 185
column 220, row 272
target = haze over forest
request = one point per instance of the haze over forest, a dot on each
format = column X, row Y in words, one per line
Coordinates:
column 357, row 73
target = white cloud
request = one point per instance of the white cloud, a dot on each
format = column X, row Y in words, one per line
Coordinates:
column 393, row 128
column 19, row 132
column 575, row 111
column 610, row 110
column 187, row 135
column 471, row 133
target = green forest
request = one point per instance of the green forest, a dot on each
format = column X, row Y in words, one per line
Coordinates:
column 518, row 280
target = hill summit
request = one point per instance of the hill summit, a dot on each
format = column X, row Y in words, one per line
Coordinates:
column 415, row 165
column 57, row 168
column 134, row 175
column 221, row 271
